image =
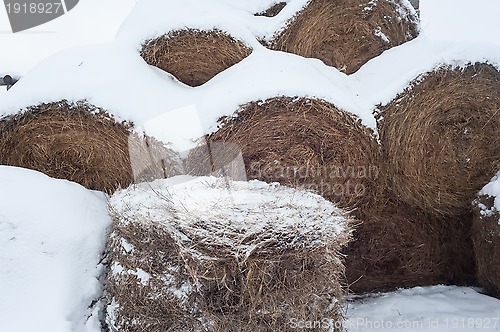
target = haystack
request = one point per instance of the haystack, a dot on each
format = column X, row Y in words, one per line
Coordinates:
column 303, row 143
column 194, row 56
column 440, row 138
column 273, row 10
column 347, row 33
column 211, row 254
column 486, row 238
column 84, row 144
column 400, row 246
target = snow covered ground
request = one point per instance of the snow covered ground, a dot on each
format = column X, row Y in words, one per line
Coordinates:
column 52, row 232
column 52, row 237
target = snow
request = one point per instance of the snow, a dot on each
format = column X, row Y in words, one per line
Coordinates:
column 52, row 236
column 424, row 309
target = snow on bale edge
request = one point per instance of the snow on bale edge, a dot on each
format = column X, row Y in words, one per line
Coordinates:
column 299, row 142
column 440, row 138
column 84, row 144
column 212, row 254
column 486, row 239
column 346, row 34
column 194, row 56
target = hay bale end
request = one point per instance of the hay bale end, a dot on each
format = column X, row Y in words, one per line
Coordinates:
column 441, row 137
column 194, row 56
column 302, row 143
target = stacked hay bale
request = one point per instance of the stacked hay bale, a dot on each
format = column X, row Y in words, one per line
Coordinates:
column 439, row 146
column 84, row 144
column 194, row 56
column 215, row 255
column 440, row 138
column 299, row 142
column 486, row 237
column 347, row 33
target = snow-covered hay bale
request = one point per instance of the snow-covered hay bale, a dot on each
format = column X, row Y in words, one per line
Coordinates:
column 441, row 136
column 210, row 254
column 273, row 10
column 486, row 238
column 194, row 56
column 347, row 33
column 302, row 143
column 401, row 247
column 84, row 144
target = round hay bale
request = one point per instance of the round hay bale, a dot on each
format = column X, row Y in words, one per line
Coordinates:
column 346, row 34
column 400, row 247
column 84, row 144
column 194, row 56
column 273, row 10
column 486, row 238
column 302, row 143
column 211, row 254
column 441, row 137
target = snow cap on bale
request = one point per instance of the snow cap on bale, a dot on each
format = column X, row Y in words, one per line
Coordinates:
column 347, row 33
column 440, row 138
column 194, row 56
column 84, row 144
column 486, row 236
column 303, row 143
column 400, row 247
column 212, row 254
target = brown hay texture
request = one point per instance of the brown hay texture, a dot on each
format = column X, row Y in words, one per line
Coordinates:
column 440, row 138
column 273, row 10
column 486, row 238
column 84, row 144
column 302, row 143
column 218, row 255
column 401, row 247
column 194, row 56
column 347, row 33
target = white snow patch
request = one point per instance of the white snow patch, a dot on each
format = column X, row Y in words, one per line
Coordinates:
column 52, row 236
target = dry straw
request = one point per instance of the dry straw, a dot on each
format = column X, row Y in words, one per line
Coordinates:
column 486, row 237
column 84, row 144
column 400, row 246
column 347, row 33
column 194, row 56
column 273, row 10
column 298, row 142
column 441, row 137
column 179, row 269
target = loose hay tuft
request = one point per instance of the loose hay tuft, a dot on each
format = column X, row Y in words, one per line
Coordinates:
column 194, row 56
column 273, row 10
column 347, row 33
column 400, row 247
column 217, row 255
column 298, row 142
column 84, row 144
column 441, row 137
column 486, row 238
